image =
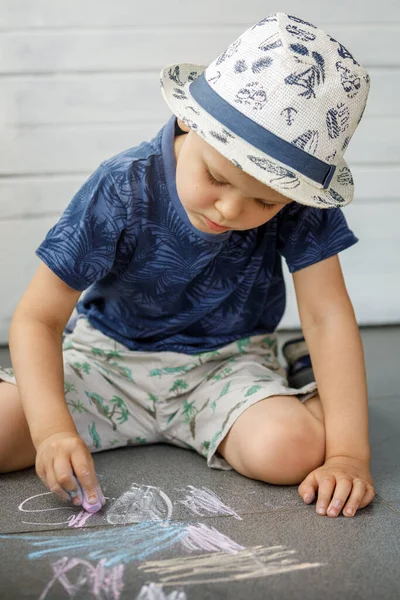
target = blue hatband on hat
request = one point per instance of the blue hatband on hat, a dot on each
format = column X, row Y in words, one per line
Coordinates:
column 259, row 137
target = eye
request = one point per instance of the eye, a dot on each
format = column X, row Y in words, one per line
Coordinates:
column 263, row 204
column 212, row 179
column 215, row 182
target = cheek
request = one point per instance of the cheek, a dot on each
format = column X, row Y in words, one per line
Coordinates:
column 261, row 216
column 192, row 191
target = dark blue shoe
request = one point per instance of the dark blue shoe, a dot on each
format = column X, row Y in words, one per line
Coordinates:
column 299, row 370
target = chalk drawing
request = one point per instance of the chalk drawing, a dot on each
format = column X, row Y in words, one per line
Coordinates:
column 74, row 520
column 115, row 544
column 154, row 591
column 221, row 558
column 104, row 583
column 80, row 519
column 22, row 508
column 202, row 501
column 215, row 567
column 206, row 538
column 138, row 504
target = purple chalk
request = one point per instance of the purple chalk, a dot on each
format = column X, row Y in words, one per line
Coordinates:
column 91, row 508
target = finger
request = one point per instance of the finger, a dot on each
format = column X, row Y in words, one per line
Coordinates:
column 66, row 480
column 343, row 488
column 308, row 488
column 53, row 484
column 41, row 472
column 42, row 476
column 85, row 473
column 368, row 496
column 354, row 500
column 325, row 491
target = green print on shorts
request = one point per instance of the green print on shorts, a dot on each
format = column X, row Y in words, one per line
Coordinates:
column 112, row 443
column 152, row 410
column 252, row 390
column 118, row 406
column 218, row 433
column 243, row 345
column 79, row 367
column 94, row 435
column 140, row 440
column 206, row 356
column 107, row 355
column 77, row 406
column 69, row 387
column 204, row 448
column 66, row 345
column 270, row 342
column 222, row 373
column 170, row 371
column 192, row 421
column 124, row 372
column 178, row 386
column 136, row 441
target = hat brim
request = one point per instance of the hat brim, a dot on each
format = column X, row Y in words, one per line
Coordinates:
column 175, row 80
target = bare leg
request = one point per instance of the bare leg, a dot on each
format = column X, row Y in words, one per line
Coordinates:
column 16, row 448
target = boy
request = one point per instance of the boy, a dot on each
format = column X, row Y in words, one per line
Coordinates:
column 179, row 241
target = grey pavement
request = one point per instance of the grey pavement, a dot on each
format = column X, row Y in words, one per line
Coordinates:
column 173, row 529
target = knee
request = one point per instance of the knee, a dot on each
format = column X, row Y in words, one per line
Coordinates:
column 286, row 453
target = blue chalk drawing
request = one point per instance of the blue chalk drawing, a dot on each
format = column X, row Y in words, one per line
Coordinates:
column 117, row 545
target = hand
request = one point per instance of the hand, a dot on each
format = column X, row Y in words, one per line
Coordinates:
column 340, row 479
column 61, row 456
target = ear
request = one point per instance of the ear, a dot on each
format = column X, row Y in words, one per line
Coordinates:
column 183, row 126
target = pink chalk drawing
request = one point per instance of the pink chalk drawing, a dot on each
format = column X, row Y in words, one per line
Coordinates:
column 204, row 537
column 79, row 520
column 104, row 583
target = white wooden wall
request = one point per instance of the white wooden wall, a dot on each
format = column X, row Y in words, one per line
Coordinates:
column 79, row 82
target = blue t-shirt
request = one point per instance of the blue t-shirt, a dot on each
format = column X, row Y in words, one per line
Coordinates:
column 156, row 283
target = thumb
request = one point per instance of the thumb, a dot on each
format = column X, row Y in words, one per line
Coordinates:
column 308, row 488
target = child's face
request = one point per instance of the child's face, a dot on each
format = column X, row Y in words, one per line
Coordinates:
column 241, row 202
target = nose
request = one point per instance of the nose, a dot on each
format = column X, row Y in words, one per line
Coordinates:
column 230, row 205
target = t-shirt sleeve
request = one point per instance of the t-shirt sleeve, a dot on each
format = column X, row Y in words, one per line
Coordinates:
column 81, row 247
column 307, row 235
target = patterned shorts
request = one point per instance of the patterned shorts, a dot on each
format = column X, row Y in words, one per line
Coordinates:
column 119, row 397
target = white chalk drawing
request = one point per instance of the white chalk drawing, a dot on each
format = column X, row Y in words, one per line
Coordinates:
column 74, row 520
column 22, row 508
column 140, row 503
column 206, row 538
column 249, row 563
column 154, row 591
column 77, row 576
column 203, row 502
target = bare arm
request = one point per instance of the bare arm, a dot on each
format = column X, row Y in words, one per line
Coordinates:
column 338, row 363
column 35, row 339
column 333, row 338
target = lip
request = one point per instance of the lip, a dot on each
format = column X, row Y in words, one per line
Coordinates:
column 215, row 226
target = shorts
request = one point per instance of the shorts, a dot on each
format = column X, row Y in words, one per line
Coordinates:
column 122, row 397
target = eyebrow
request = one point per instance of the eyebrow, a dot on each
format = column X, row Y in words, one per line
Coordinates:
column 216, row 171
